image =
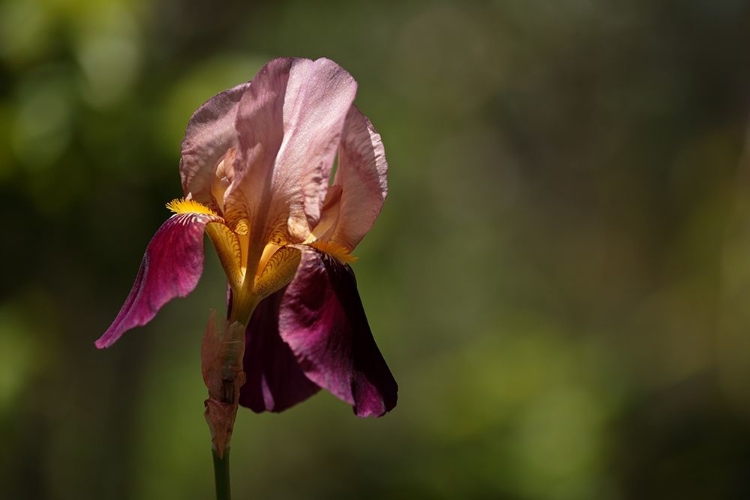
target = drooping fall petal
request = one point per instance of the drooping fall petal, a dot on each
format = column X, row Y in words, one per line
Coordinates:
column 322, row 319
column 275, row 380
column 171, row 267
column 210, row 133
column 289, row 123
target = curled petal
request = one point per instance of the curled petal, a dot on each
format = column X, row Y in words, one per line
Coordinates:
column 171, row 267
column 275, row 380
column 289, row 124
column 322, row 319
column 210, row 133
column 359, row 187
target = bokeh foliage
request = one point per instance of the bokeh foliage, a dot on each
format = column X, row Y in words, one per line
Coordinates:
column 560, row 279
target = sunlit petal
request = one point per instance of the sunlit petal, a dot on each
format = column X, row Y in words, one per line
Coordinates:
column 361, row 179
column 228, row 248
column 171, row 267
column 289, row 124
column 280, row 270
column 210, row 134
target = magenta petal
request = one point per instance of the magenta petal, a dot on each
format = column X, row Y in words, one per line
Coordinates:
column 323, row 321
column 171, row 267
column 275, row 380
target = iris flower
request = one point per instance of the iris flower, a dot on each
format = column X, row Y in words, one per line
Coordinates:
column 256, row 166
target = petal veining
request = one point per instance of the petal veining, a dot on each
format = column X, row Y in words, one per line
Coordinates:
column 362, row 177
column 289, row 124
column 171, row 267
column 280, row 270
column 322, row 319
column 210, row 134
column 275, row 380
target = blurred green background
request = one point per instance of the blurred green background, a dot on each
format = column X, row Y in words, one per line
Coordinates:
column 560, row 279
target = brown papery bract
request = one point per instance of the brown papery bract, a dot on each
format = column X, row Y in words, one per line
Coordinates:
column 221, row 364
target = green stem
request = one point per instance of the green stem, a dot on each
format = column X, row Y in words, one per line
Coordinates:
column 221, row 475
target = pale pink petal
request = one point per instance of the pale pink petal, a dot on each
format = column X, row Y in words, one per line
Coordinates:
column 275, row 380
column 171, row 267
column 210, row 133
column 289, row 124
column 322, row 319
column 259, row 124
column 362, row 178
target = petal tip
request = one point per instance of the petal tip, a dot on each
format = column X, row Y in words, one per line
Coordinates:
column 104, row 342
column 376, row 399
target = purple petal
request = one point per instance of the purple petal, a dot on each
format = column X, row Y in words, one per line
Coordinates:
column 322, row 319
column 362, row 176
column 275, row 380
column 289, row 124
column 210, row 133
column 171, row 267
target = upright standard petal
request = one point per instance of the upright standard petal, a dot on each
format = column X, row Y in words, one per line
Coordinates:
column 274, row 379
column 359, row 187
column 322, row 319
column 171, row 267
column 210, row 133
column 289, row 124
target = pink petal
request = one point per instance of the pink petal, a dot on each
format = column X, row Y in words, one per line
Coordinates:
column 171, row 267
column 289, row 124
column 210, row 133
column 322, row 319
column 362, row 177
column 275, row 380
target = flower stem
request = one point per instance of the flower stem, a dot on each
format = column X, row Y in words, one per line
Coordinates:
column 221, row 364
column 221, row 475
